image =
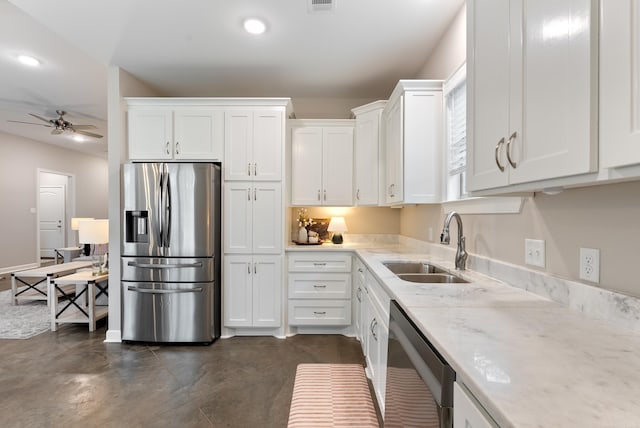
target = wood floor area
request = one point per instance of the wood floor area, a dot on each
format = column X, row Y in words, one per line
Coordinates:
column 71, row 378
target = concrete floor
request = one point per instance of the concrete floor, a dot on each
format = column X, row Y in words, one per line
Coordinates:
column 71, row 378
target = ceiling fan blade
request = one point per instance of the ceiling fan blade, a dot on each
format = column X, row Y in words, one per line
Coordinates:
column 84, row 127
column 40, row 117
column 31, row 123
column 88, row 134
column 56, row 131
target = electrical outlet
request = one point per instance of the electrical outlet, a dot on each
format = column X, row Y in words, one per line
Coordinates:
column 534, row 252
column 590, row 264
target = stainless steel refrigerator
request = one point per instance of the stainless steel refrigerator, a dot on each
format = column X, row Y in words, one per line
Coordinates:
column 171, row 252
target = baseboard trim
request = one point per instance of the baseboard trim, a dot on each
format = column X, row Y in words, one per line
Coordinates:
column 113, row 336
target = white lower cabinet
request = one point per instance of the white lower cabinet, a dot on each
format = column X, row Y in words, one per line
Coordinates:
column 377, row 336
column 319, row 289
column 467, row 412
column 252, row 296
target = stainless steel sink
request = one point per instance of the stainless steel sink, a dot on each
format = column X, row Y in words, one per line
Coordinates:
column 432, row 278
column 412, row 267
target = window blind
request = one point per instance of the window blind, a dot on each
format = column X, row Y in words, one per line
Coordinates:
column 457, row 128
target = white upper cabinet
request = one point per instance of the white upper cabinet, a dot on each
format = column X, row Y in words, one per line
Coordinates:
column 253, row 145
column 532, row 90
column 253, row 217
column 620, row 83
column 413, row 138
column 174, row 132
column 322, row 163
column 367, row 153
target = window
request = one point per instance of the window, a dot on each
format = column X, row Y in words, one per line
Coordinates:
column 455, row 98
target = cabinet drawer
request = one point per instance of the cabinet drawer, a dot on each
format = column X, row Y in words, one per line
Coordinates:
column 314, row 262
column 320, row 286
column 319, row 312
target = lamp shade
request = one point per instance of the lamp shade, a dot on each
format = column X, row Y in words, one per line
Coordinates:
column 75, row 222
column 93, row 231
column 337, row 224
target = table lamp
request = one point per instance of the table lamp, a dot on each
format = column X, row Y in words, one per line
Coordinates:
column 75, row 225
column 337, row 226
column 94, row 232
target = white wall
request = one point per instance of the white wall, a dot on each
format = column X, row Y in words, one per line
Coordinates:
column 20, row 159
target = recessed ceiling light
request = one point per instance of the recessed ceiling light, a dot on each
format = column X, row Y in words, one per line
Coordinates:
column 29, row 60
column 254, row 26
column 78, row 138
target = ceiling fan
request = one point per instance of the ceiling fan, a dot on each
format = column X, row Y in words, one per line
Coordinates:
column 60, row 125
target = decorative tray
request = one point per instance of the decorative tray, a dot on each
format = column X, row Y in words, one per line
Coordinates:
column 307, row 243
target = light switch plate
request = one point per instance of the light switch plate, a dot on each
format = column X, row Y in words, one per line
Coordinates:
column 534, row 252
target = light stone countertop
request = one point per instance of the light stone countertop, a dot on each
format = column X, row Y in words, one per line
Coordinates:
column 531, row 362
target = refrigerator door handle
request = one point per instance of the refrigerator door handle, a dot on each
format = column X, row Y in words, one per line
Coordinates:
column 155, row 291
column 158, row 210
column 167, row 212
column 170, row 266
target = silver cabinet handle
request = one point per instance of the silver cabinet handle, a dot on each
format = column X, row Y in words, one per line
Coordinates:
column 374, row 324
column 320, row 312
column 358, row 194
column 319, row 286
column 249, row 194
column 255, row 268
column 249, row 268
column 320, row 263
column 391, row 192
column 500, row 143
column 177, row 147
column 511, row 140
column 325, row 194
column 360, row 270
column 255, row 169
column 249, row 169
column 168, row 147
column 155, row 291
column 255, row 197
column 359, row 294
column 318, row 194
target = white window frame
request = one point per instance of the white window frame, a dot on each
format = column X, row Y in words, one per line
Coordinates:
column 455, row 183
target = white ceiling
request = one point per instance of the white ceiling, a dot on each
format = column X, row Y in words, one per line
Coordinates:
column 199, row 48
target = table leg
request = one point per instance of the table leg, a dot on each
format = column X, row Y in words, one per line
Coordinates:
column 14, row 290
column 91, row 305
column 52, row 300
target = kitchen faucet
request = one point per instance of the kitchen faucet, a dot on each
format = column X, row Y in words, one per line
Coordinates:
column 461, row 253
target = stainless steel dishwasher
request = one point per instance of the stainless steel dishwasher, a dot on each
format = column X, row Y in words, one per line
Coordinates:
column 419, row 389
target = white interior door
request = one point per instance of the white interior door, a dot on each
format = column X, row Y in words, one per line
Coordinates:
column 52, row 219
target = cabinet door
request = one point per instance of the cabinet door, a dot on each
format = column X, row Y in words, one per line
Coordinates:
column 238, row 217
column 267, row 291
column 238, row 134
column 337, row 166
column 559, row 83
column 267, row 145
column 366, row 165
column 199, row 134
column 393, row 149
column 150, row 134
column 238, row 295
column 467, row 412
column 489, row 73
column 267, row 218
column 306, row 166
column 620, row 83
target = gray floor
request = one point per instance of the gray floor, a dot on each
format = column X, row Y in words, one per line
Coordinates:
column 71, row 378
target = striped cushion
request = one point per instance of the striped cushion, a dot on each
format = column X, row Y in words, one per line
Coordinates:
column 331, row 395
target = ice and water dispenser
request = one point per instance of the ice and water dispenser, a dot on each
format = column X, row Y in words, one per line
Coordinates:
column 137, row 226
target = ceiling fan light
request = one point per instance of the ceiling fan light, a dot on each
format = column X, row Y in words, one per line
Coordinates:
column 255, row 26
column 29, row 60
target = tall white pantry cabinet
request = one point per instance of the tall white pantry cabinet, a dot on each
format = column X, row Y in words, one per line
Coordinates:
column 253, row 219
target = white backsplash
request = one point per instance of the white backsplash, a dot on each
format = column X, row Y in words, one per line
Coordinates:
column 594, row 302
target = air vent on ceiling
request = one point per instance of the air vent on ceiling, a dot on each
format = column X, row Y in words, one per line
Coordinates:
column 316, row 6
